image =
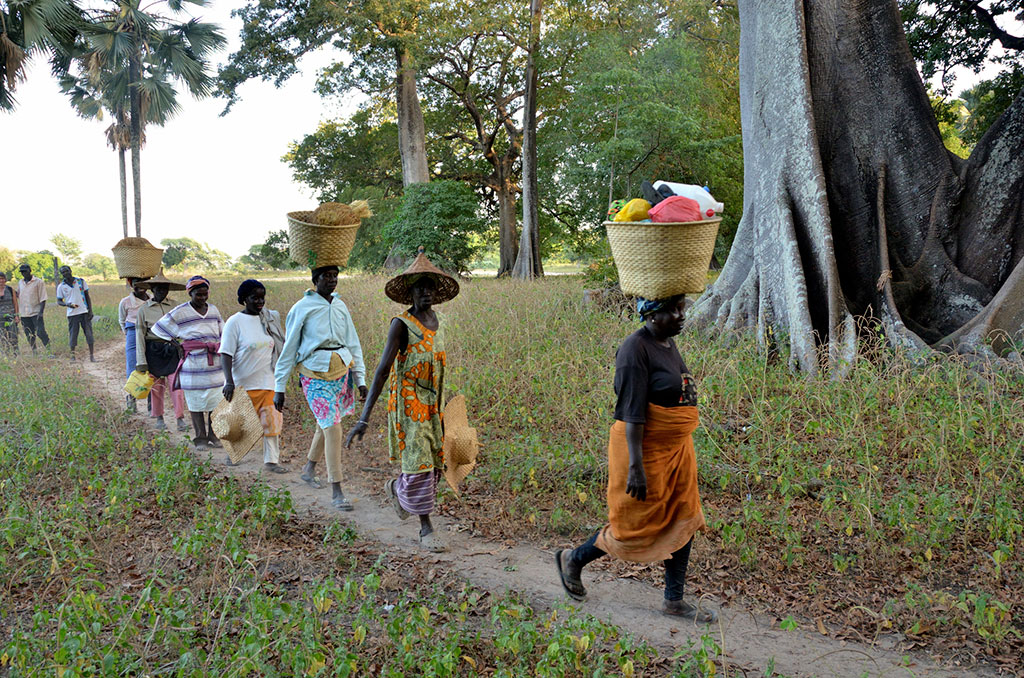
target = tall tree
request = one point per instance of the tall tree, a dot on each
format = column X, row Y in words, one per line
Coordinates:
column 848, row 214
column 70, row 249
column 377, row 43
column 155, row 50
column 528, row 264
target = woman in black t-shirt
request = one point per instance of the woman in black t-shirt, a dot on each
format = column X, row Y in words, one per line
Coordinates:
column 653, row 503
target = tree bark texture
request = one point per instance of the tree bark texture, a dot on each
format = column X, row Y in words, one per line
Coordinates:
column 135, row 107
column 852, row 205
column 507, row 244
column 124, row 190
column 412, row 136
column 528, row 265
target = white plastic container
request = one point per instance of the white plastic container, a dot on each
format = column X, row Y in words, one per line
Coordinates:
column 709, row 207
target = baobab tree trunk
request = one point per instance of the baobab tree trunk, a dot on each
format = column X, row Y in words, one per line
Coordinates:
column 852, row 205
column 507, row 245
column 528, row 264
column 124, row 190
column 412, row 144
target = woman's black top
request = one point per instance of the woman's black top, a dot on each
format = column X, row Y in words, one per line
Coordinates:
column 649, row 373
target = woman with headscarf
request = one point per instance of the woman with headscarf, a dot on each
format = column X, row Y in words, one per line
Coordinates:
column 322, row 343
column 654, row 506
column 415, row 359
column 157, row 356
column 197, row 325
column 249, row 347
column 127, row 315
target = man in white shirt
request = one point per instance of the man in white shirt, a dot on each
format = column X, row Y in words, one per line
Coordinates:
column 73, row 293
column 31, row 304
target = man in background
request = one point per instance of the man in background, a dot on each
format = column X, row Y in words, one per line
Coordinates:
column 31, row 304
column 73, row 293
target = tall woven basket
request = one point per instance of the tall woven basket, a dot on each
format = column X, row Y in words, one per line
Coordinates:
column 656, row 261
column 137, row 258
column 315, row 245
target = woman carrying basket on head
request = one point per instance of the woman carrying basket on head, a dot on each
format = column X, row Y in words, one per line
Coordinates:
column 197, row 325
column 653, row 504
column 415, row 359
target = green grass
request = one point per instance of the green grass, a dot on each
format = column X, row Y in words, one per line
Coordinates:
column 121, row 554
column 888, row 501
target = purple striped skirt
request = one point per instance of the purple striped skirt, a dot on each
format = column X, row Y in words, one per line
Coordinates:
column 416, row 491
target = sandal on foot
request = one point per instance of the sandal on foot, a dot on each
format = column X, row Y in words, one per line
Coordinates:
column 183, row 425
column 342, row 504
column 312, row 481
column 214, row 443
column 572, row 586
column 433, row 543
column 276, row 468
column 200, row 444
column 680, row 608
column 389, row 489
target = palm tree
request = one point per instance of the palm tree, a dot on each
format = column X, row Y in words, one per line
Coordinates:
column 154, row 51
column 33, row 26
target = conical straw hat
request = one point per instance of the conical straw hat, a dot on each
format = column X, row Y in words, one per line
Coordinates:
column 460, row 443
column 399, row 288
column 237, row 425
column 159, row 279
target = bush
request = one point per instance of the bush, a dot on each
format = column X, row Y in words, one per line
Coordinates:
column 441, row 216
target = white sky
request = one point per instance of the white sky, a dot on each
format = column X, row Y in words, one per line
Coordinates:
column 217, row 180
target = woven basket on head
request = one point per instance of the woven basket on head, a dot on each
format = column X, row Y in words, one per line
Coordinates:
column 315, row 245
column 656, row 261
column 137, row 258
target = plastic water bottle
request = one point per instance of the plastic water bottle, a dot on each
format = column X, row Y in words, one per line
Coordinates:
column 709, row 207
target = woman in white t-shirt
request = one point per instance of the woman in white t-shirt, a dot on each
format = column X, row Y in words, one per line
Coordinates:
column 249, row 346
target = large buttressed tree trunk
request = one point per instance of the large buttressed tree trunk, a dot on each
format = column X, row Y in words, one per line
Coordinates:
column 852, row 205
column 412, row 138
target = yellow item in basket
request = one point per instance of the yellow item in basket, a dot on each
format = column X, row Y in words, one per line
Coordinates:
column 139, row 384
column 340, row 214
column 635, row 210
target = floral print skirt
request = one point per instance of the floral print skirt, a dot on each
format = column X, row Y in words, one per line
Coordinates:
column 329, row 401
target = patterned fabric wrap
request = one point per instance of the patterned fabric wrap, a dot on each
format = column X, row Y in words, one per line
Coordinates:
column 196, row 281
column 271, row 420
column 201, row 367
column 646, row 307
column 416, row 397
column 416, row 492
column 329, row 400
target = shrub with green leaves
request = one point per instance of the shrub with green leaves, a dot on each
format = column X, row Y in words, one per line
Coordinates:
column 441, row 216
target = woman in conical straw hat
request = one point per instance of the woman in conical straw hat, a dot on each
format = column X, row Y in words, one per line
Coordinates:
column 414, row 357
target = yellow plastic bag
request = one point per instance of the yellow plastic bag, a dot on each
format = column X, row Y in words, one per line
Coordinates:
column 139, row 384
column 635, row 210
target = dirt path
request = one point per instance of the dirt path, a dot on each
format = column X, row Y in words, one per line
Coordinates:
column 748, row 639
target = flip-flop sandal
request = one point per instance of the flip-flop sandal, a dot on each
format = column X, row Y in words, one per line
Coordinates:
column 687, row 611
column 342, row 504
column 389, row 489
column 433, row 543
column 312, row 481
column 581, row 594
column 276, row 468
column 200, row 445
column 214, row 443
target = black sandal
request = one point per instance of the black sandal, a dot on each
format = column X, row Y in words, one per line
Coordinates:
column 568, row 584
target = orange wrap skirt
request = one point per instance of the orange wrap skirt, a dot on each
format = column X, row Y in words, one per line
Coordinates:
column 652, row 530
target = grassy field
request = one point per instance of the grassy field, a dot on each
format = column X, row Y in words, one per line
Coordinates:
column 889, row 502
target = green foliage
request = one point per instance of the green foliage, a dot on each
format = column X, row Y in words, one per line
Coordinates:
column 70, row 249
column 441, row 216
column 952, row 116
column 188, row 254
column 32, row 26
column 41, row 263
column 271, row 255
column 988, row 99
column 8, row 263
column 97, row 265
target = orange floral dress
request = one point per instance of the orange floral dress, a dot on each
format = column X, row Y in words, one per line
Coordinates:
column 415, row 398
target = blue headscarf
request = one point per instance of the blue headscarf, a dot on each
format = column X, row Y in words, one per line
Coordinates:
column 648, row 307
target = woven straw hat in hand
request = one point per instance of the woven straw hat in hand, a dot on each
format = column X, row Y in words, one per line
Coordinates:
column 460, row 443
column 237, row 425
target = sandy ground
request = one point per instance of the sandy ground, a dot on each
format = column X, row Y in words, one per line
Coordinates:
column 749, row 640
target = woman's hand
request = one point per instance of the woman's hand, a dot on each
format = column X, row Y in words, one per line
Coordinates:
column 357, row 432
column 362, row 393
column 636, row 482
column 279, row 401
column 229, row 391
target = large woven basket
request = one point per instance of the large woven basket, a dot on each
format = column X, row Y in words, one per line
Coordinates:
column 315, row 245
column 137, row 258
column 656, row 261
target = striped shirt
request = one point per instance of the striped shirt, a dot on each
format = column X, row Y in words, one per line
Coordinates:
column 183, row 323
